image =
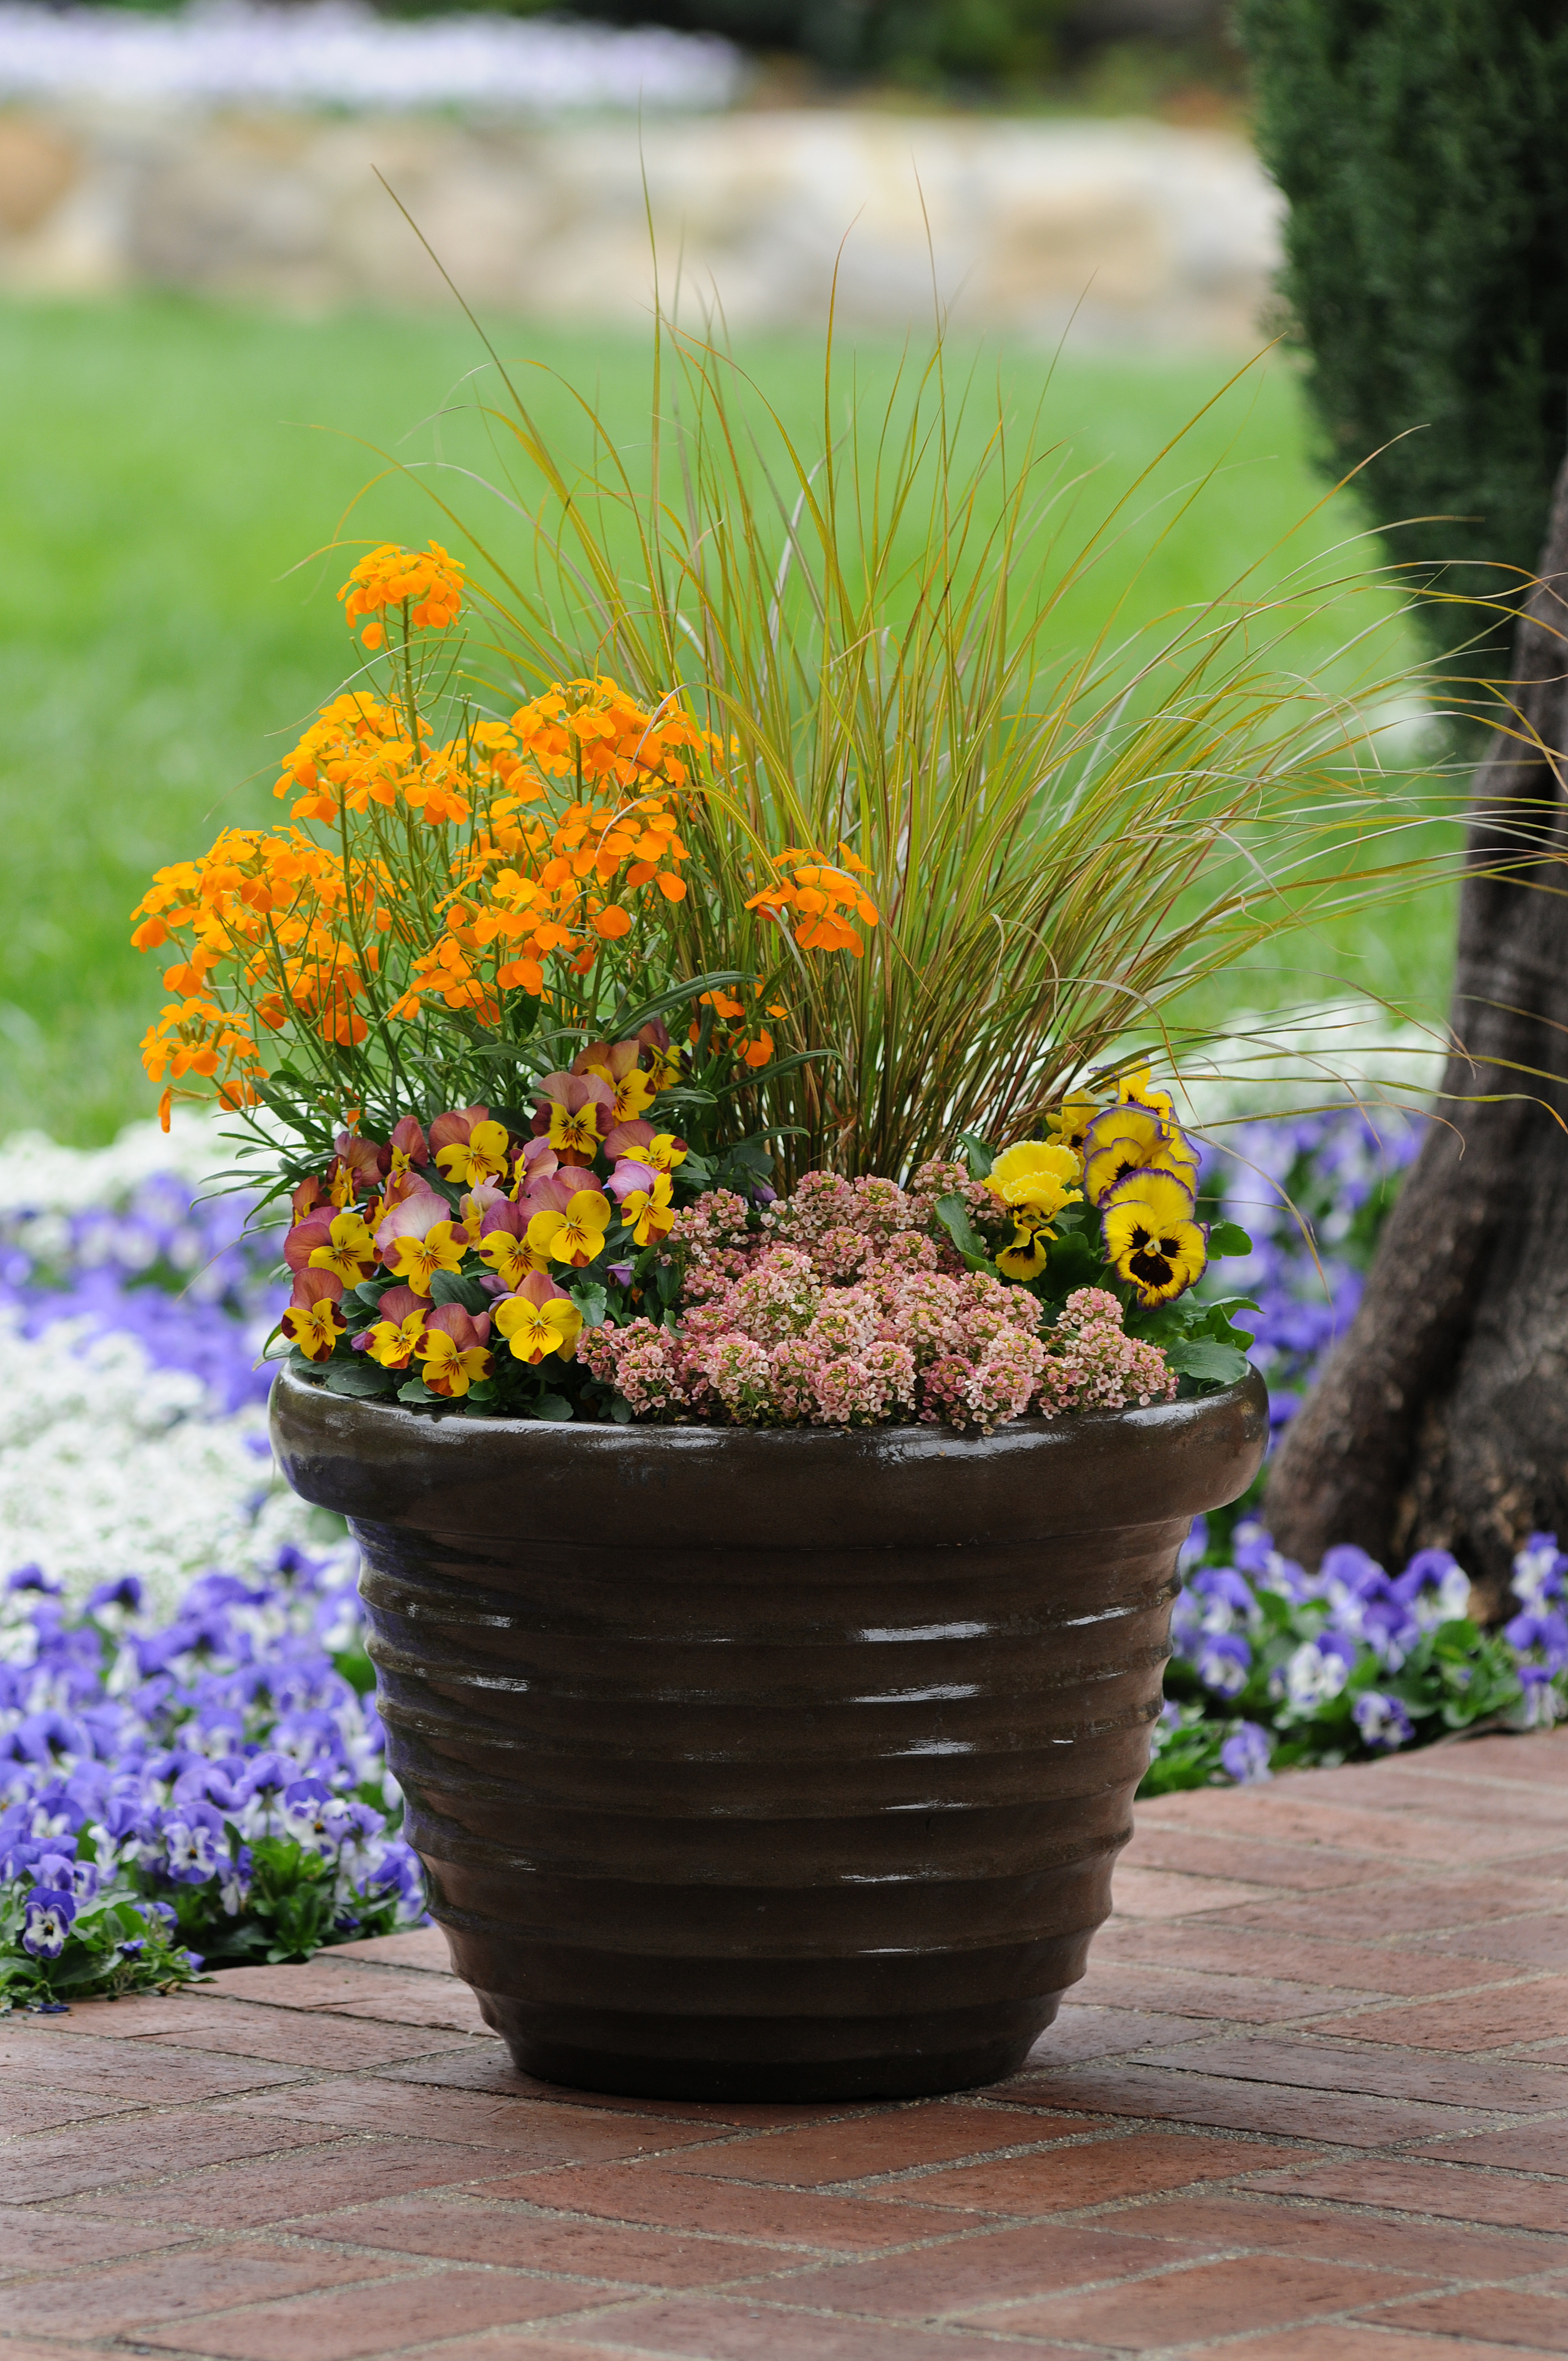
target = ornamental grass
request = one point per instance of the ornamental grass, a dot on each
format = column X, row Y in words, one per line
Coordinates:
column 1063, row 843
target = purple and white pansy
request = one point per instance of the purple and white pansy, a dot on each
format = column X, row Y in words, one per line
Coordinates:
column 207, row 1789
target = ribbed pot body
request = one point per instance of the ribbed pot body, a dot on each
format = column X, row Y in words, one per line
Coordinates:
column 756, row 1764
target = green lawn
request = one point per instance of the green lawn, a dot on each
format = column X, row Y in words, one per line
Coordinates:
column 165, row 467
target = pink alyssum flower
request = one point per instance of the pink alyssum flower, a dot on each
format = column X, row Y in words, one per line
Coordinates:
column 846, row 1312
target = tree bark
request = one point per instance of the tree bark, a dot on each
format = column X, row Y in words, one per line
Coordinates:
column 1441, row 1418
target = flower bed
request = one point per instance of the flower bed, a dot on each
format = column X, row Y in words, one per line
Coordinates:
column 133, row 1314
column 206, row 1790
column 1274, row 1667
column 188, row 1767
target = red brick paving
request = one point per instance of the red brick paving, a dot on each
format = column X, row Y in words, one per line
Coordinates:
column 1310, row 2104
column 1537, row 2319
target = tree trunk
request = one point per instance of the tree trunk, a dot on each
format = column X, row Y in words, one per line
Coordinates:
column 1441, row 1417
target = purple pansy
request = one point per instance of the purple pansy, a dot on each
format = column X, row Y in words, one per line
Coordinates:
column 1316, row 1672
column 1255, row 1556
column 1225, row 1661
column 1382, row 1720
column 139, row 1760
column 1539, row 1570
column 47, row 1920
column 1244, row 1756
column 1436, row 1588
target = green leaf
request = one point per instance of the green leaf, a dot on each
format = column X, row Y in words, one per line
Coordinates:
column 683, row 1094
column 628, row 1020
column 1076, row 1260
column 772, row 1071
column 359, row 1379
column 416, row 1390
column 1227, row 1239
column 552, row 1406
column 747, row 1165
column 591, row 1301
column 981, row 1155
column 1200, row 1356
column 453, row 1287
column 953, row 1214
column 355, row 1666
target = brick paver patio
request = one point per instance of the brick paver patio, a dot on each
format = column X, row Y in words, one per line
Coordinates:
column 1310, row 2104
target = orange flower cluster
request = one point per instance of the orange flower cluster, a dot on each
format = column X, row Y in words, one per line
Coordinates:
column 824, row 898
column 427, row 584
column 414, row 872
column 297, row 938
column 358, row 753
column 532, row 888
column 197, row 1036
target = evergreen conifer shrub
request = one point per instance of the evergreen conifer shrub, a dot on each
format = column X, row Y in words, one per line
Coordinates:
column 1421, row 146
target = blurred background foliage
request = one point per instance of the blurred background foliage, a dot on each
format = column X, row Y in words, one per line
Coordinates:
column 1420, row 143
column 1176, row 57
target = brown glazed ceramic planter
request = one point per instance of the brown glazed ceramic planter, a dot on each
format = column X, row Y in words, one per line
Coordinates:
column 769, row 1765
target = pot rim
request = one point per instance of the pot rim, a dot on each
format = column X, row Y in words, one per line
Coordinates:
column 1146, row 1415
column 885, row 1488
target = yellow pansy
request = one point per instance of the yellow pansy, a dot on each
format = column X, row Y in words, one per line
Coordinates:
column 1152, row 1238
column 538, row 1319
column 393, row 1342
column 481, row 1157
column 1025, row 1257
column 1036, row 1177
column 418, row 1259
column 576, row 1235
column 1133, row 1090
column 1069, row 1122
column 664, row 1152
column 648, row 1213
column 1134, row 1139
column 350, row 1252
column 633, row 1090
column 511, row 1258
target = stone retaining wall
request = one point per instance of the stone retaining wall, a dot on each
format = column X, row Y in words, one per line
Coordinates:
column 1132, row 232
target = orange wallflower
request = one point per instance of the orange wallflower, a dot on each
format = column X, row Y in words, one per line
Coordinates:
column 823, row 896
column 418, row 876
column 427, row 584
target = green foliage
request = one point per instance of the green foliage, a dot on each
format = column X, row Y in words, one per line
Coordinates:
column 1420, row 145
column 922, row 43
column 1186, row 1743
column 139, row 1932
column 1455, row 1676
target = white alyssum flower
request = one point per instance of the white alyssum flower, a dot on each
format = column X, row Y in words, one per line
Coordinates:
column 37, row 1171
column 113, row 1466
